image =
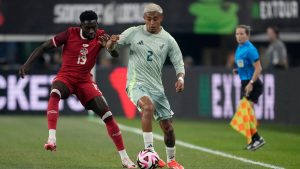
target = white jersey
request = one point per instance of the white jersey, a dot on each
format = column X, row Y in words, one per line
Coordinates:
column 147, row 56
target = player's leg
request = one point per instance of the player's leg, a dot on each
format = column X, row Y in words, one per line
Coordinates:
column 91, row 97
column 58, row 91
column 164, row 114
column 169, row 139
column 147, row 110
column 141, row 98
column 258, row 141
column 100, row 107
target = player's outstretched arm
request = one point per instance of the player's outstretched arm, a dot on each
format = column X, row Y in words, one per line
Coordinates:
column 108, row 42
column 111, row 45
column 34, row 55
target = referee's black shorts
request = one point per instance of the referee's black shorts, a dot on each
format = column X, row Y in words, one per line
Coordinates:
column 256, row 92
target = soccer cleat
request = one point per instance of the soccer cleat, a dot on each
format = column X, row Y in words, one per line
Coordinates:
column 127, row 163
column 258, row 144
column 174, row 165
column 51, row 144
column 248, row 147
column 161, row 163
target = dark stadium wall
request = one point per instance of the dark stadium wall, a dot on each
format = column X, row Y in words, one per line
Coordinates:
column 190, row 16
column 209, row 94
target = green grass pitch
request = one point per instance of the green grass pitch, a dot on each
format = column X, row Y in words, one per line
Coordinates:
column 84, row 144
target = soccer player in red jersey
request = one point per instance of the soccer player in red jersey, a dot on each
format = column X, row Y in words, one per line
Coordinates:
column 81, row 46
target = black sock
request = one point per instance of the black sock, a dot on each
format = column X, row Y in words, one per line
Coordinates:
column 255, row 137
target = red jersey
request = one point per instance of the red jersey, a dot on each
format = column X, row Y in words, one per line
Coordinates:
column 79, row 54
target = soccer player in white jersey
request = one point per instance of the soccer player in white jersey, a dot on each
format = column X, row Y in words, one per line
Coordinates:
column 149, row 47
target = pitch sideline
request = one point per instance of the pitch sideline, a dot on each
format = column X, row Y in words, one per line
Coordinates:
column 195, row 147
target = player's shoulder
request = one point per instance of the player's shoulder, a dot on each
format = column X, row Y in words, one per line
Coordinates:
column 73, row 32
column 139, row 27
column 74, row 29
column 134, row 28
column 252, row 50
column 165, row 34
column 251, row 46
column 131, row 31
column 68, row 33
column 100, row 31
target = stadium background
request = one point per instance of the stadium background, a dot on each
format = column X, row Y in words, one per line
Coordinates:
column 204, row 30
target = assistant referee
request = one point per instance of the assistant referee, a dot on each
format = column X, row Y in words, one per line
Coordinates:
column 248, row 67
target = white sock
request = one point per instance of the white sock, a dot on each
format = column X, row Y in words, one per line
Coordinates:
column 148, row 140
column 123, row 154
column 52, row 133
column 171, row 151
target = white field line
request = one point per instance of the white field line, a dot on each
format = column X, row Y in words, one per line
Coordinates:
column 199, row 148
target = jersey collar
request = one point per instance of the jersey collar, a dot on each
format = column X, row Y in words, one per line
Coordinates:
column 245, row 44
column 145, row 29
column 81, row 35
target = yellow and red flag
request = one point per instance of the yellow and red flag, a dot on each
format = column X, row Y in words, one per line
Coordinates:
column 244, row 120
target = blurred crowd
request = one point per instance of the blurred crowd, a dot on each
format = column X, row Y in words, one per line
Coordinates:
column 273, row 55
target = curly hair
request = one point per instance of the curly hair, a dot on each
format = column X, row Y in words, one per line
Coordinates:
column 88, row 16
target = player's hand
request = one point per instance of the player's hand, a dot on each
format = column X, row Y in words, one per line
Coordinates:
column 248, row 89
column 23, row 70
column 103, row 39
column 179, row 85
column 112, row 41
column 114, row 38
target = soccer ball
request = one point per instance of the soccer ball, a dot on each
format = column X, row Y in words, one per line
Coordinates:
column 147, row 159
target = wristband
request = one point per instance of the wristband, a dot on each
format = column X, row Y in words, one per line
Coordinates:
column 113, row 48
column 251, row 81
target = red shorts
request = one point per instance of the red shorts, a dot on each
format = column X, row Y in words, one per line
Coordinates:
column 85, row 90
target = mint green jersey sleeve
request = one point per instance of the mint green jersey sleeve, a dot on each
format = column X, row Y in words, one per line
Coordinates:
column 125, row 37
column 176, row 56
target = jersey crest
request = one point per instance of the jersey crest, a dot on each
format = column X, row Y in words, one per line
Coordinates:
column 84, row 51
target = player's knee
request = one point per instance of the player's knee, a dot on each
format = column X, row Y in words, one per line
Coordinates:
column 55, row 92
column 148, row 108
column 100, row 111
column 148, row 112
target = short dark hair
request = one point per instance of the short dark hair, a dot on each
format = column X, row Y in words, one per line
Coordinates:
column 88, row 16
column 246, row 27
column 275, row 29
